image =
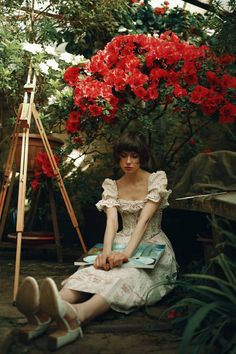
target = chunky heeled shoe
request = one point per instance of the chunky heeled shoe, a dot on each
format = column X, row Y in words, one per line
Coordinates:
column 27, row 302
column 69, row 329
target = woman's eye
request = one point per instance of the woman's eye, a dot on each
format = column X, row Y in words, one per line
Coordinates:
column 135, row 156
column 123, row 154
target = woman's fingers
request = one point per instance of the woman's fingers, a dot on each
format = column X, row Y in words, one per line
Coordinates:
column 117, row 259
column 101, row 261
column 107, row 262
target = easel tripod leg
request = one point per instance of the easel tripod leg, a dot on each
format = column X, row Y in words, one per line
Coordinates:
column 55, row 223
column 6, row 205
column 21, row 206
column 58, row 176
column 17, row 266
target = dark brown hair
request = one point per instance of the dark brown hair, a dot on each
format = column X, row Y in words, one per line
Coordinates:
column 132, row 142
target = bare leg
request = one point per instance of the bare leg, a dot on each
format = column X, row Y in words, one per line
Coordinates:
column 73, row 296
column 92, row 308
column 87, row 306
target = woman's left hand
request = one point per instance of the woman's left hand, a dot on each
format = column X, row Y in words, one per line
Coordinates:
column 116, row 259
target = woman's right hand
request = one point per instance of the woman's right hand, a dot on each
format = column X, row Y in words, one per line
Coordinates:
column 102, row 261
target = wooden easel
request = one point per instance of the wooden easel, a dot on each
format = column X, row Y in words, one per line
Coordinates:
column 26, row 110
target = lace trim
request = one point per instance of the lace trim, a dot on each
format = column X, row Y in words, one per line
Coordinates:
column 157, row 183
column 109, row 203
column 131, row 205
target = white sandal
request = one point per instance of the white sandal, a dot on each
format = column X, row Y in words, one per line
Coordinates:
column 56, row 308
column 28, row 303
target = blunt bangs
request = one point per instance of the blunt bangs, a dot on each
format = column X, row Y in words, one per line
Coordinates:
column 132, row 142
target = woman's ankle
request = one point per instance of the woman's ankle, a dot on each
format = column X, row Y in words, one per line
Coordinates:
column 43, row 316
column 72, row 315
column 79, row 312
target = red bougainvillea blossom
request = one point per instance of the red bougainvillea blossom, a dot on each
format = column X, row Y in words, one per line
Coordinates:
column 42, row 168
column 161, row 70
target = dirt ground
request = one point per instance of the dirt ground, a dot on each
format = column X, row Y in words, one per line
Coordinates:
column 140, row 332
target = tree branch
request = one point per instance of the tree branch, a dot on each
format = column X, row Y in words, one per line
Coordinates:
column 168, row 162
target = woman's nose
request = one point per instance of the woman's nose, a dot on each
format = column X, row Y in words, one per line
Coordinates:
column 128, row 158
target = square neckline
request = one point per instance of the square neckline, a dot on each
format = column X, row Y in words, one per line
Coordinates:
column 136, row 200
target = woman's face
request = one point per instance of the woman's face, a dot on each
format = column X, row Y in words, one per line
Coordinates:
column 129, row 162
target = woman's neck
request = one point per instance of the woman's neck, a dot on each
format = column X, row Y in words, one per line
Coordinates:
column 133, row 186
column 134, row 177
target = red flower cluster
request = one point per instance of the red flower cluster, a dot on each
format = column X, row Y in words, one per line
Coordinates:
column 42, row 168
column 73, row 123
column 216, row 97
column 160, row 11
column 147, row 68
column 71, row 75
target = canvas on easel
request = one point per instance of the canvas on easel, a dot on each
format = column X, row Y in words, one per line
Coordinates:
column 26, row 111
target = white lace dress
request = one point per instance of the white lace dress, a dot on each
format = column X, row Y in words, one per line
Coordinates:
column 127, row 288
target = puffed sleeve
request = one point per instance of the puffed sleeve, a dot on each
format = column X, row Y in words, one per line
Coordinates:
column 157, row 188
column 109, row 195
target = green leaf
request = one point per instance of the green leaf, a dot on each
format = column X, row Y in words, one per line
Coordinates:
column 192, row 326
column 225, row 266
column 217, row 332
column 216, row 291
column 217, row 280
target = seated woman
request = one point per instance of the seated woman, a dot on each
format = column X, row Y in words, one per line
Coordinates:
column 140, row 197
